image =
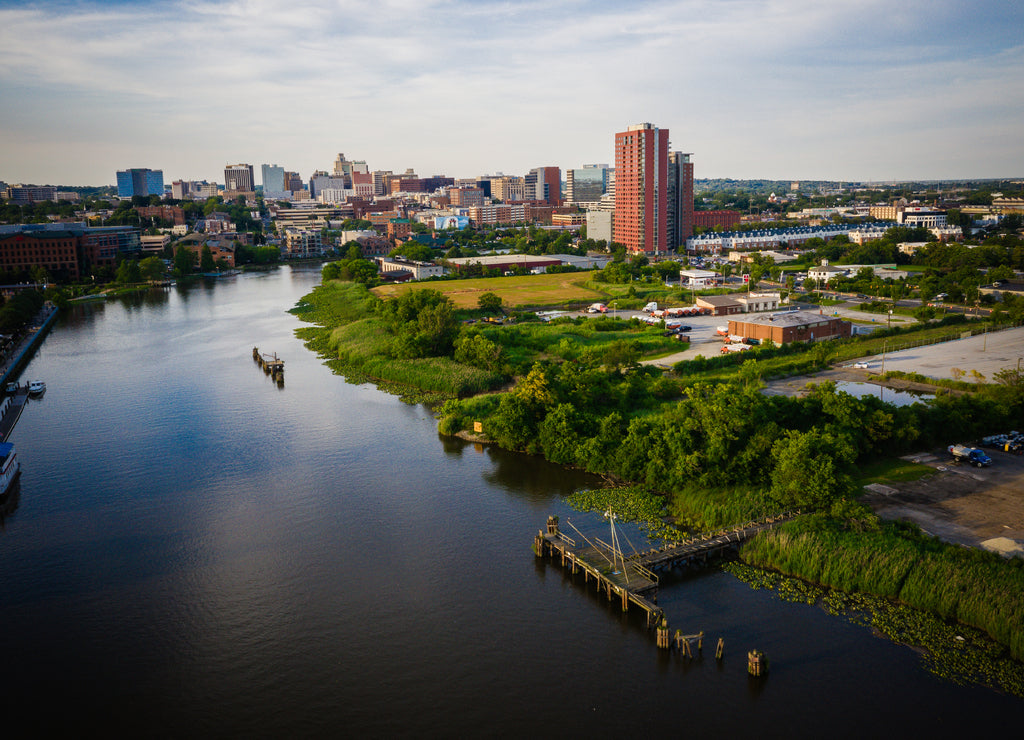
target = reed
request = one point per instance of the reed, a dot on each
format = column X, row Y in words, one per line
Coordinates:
column 896, row 562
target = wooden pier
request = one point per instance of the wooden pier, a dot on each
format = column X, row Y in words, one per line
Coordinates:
column 272, row 364
column 634, row 579
column 631, row 584
column 699, row 550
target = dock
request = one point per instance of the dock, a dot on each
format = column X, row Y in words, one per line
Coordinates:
column 634, row 579
column 10, row 410
column 12, row 404
column 272, row 364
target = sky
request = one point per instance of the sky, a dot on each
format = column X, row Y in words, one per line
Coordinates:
column 858, row 90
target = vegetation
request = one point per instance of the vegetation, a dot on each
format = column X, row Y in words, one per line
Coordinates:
column 855, row 552
column 514, row 291
column 952, row 651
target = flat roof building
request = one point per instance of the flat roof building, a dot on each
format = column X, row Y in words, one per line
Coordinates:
column 792, row 326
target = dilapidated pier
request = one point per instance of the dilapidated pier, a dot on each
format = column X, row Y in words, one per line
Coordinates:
column 272, row 364
column 634, row 579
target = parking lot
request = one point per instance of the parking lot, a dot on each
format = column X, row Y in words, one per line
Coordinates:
column 960, row 504
column 986, row 353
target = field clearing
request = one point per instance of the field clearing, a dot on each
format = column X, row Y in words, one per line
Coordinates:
column 515, row 291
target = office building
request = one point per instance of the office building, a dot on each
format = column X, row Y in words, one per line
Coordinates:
column 680, row 199
column 273, row 179
column 140, row 181
column 24, row 194
column 641, row 181
column 588, row 184
column 238, row 177
column 544, row 183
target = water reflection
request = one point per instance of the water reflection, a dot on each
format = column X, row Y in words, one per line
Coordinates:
column 888, row 395
column 533, row 477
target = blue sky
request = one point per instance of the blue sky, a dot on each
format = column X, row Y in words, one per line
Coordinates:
column 783, row 89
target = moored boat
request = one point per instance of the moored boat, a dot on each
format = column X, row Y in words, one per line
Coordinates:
column 36, row 387
column 9, row 466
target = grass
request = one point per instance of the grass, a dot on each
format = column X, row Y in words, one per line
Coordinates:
column 892, row 471
column 515, row 291
column 896, row 561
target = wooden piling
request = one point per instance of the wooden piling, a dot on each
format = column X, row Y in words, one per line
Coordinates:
column 662, row 637
column 757, row 663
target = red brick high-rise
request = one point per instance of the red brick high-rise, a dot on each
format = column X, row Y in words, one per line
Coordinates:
column 641, row 179
column 545, row 183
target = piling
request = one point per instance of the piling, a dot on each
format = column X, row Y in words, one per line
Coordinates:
column 663, row 641
column 757, row 663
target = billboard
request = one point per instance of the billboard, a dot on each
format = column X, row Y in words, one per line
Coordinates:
column 451, row 222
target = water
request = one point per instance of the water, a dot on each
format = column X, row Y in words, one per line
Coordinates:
column 196, row 552
column 883, row 393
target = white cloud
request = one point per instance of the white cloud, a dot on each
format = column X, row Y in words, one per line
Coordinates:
column 753, row 88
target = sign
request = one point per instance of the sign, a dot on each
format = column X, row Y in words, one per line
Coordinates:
column 746, row 278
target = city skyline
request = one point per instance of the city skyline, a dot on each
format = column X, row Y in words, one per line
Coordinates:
column 859, row 91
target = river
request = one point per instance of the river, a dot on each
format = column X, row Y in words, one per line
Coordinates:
column 196, row 552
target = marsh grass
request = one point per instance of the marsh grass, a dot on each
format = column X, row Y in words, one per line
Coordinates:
column 896, row 561
column 955, row 652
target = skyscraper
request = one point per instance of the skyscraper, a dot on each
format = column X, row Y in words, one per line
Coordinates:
column 140, row 181
column 273, row 179
column 680, row 199
column 588, row 184
column 545, row 183
column 239, row 177
column 641, row 179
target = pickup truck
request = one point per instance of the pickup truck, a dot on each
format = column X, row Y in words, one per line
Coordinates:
column 971, row 455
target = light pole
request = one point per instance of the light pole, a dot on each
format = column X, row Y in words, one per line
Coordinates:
column 888, row 321
column 884, row 343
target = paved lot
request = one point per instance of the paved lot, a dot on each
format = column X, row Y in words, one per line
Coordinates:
column 986, row 353
column 959, row 504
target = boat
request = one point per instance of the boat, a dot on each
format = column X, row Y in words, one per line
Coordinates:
column 9, row 466
column 36, row 388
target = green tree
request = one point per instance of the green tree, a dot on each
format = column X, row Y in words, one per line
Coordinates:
column 478, row 351
column 206, row 259
column 128, row 272
column 152, row 268
column 490, row 302
column 809, row 469
column 183, row 260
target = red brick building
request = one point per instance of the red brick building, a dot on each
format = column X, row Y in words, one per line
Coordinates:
column 714, row 219
column 792, row 326
column 641, row 180
column 66, row 253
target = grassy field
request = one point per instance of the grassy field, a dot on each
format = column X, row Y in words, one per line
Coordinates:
column 516, row 291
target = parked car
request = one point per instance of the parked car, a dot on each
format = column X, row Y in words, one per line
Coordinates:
column 862, row 365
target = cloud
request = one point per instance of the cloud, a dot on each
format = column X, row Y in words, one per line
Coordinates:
column 752, row 87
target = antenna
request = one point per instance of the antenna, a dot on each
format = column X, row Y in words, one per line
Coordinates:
column 617, row 557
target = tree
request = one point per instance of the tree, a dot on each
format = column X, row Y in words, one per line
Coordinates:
column 183, row 260
column 490, row 302
column 206, row 263
column 152, row 268
column 478, row 351
column 128, row 272
column 810, row 469
column 621, row 354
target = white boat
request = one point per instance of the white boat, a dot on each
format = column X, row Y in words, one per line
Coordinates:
column 9, row 466
column 36, row 387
